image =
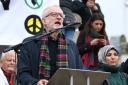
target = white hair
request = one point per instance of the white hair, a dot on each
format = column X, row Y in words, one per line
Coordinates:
column 3, row 54
column 46, row 11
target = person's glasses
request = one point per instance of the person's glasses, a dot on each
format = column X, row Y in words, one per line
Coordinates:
column 54, row 14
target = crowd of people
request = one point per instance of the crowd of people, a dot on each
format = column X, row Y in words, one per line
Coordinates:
column 39, row 59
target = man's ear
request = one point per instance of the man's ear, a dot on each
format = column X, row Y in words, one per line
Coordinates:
column 44, row 21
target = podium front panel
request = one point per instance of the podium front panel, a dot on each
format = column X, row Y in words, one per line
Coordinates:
column 61, row 77
column 77, row 77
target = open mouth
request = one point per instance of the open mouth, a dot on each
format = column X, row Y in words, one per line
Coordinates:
column 58, row 23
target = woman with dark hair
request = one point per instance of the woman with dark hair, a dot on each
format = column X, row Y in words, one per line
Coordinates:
column 91, row 39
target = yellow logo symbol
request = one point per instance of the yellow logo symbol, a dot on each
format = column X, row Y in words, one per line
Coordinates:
column 33, row 24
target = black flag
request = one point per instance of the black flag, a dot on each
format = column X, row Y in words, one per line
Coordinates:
column 5, row 4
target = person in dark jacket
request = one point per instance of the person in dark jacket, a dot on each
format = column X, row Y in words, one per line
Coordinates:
column 70, row 18
column 110, row 62
column 85, row 9
column 40, row 58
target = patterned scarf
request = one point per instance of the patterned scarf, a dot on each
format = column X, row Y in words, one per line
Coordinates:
column 62, row 61
column 10, row 77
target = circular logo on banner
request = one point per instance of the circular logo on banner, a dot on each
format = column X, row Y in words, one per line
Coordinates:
column 33, row 24
column 34, row 4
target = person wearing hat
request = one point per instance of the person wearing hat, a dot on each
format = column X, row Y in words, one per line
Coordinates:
column 109, row 58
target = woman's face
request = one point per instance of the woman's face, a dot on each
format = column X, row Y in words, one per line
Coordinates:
column 112, row 57
column 97, row 25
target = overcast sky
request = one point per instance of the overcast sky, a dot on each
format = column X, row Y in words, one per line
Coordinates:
column 114, row 16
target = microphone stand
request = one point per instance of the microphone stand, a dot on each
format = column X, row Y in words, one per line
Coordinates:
column 16, row 47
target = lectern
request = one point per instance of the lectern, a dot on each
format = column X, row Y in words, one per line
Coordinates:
column 65, row 76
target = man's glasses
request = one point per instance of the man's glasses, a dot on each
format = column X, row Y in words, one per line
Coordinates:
column 54, row 14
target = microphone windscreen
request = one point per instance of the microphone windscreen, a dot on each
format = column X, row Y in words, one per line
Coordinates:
column 76, row 25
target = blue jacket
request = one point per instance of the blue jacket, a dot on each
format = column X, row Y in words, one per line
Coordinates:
column 28, row 61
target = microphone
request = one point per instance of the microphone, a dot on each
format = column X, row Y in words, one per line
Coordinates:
column 76, row 25
column 15, row 48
